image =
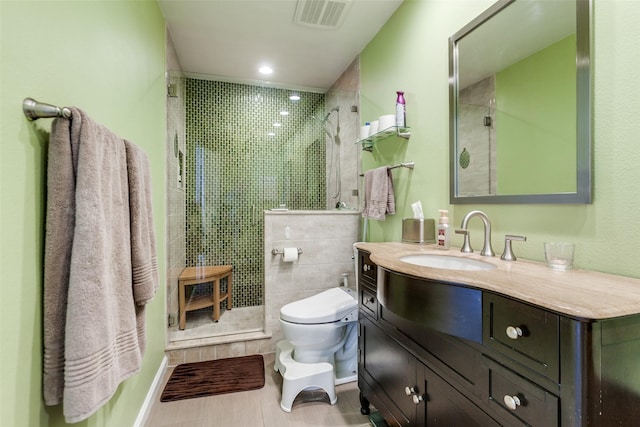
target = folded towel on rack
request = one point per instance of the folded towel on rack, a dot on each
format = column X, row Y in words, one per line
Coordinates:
column 59, row 226
column 143, row 241
column 144, row 262
column 98, row 215
column 379, row 199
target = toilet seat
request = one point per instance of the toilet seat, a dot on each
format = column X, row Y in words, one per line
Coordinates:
column 320, row 345
column 332, row 305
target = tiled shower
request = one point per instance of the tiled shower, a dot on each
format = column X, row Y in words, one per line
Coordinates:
column 232, row 156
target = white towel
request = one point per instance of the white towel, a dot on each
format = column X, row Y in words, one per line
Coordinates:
column 93, row 330
column 379, row 199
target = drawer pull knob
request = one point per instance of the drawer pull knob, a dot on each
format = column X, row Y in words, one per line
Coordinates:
column 366, row 267
column 409, row 391
column 371, row 300
column 514, row 332
column 417, row 399
column 512, row 402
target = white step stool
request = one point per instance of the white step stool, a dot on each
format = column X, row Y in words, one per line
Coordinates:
column 298, row 376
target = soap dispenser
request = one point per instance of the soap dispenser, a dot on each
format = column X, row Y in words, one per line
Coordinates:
column 443, row 230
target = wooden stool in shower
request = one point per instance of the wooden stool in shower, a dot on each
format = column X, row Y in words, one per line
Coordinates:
column 191, row 276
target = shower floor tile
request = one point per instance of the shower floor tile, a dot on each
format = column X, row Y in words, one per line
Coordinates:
column 235, row 321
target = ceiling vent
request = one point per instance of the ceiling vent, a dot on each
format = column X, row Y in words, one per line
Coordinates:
column 325, row 14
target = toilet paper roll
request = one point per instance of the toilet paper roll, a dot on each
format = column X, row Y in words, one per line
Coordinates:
column 364, row 131
column 290, row 255
column 373, row 128
column 386, row 121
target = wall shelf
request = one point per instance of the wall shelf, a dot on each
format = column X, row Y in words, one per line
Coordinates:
column 368, row 143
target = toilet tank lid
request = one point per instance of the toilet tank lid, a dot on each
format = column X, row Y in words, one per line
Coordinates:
column 328, row 306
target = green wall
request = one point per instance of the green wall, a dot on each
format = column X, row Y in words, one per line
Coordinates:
column 106, row 57
column 536, row 122
column 411, row 53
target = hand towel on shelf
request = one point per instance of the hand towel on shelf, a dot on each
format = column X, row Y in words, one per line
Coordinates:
column 93, row 330
column 379, row 199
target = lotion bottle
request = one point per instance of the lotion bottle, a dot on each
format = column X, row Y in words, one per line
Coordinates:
column 442, row 230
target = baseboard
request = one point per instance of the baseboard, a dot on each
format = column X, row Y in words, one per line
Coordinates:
column 153, row 392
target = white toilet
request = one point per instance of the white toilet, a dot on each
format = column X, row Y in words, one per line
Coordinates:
column 320, row 345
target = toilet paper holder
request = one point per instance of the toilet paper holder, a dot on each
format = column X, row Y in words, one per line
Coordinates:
column 275, row 251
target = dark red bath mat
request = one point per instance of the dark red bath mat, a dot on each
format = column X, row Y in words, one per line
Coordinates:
column 200, row 379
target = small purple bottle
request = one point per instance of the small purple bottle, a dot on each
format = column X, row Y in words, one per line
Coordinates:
column 401, row 110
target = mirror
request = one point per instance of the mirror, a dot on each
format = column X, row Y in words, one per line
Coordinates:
column 520, row 104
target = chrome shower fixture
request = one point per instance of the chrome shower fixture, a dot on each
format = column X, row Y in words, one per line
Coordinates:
column 326, row 117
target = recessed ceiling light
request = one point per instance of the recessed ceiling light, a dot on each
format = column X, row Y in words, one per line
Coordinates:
column 265, row 69
column 277, row 125
column 284, row 113
column 294, row 97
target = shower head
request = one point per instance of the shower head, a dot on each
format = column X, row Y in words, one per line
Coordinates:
column 326, row 116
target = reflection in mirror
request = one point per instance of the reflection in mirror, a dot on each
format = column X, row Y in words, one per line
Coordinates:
column 520, row 104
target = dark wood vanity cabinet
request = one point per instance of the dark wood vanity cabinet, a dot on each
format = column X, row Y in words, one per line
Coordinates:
column 405, row 390
column 529, row 367
column 397, row 379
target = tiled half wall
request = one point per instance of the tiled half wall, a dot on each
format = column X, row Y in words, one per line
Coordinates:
column 326, row 239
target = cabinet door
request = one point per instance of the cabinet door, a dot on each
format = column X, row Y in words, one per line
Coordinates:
column 442, row 405
column 389, row 369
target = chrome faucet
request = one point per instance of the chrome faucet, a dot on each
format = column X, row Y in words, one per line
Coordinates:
column 466, row 246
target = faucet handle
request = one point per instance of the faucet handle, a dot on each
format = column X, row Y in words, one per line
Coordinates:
column 508, row 255
column 466, row 245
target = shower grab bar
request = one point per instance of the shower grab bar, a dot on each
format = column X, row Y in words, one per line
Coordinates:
column 35, row 110
column 408, row 165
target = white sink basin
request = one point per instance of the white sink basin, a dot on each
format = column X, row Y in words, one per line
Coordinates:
column 446, row 262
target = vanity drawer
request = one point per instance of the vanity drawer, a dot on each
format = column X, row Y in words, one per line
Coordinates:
column 520, row 400
column 526, row 334
column 369, row 302
column 368, row 270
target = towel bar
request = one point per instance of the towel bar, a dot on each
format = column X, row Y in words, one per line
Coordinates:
column 35, row 110
column 408, row 165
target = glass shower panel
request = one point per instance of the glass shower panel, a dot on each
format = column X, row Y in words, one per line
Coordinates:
column 249, row 149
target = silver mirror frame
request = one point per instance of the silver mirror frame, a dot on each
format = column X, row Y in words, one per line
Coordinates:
column 583, row 115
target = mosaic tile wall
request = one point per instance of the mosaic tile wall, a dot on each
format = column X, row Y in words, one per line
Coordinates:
column 239, row 164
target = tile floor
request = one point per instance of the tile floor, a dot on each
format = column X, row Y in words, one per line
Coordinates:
column 257, row 408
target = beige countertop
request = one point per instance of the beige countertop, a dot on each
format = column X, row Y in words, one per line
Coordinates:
column 576, row 293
